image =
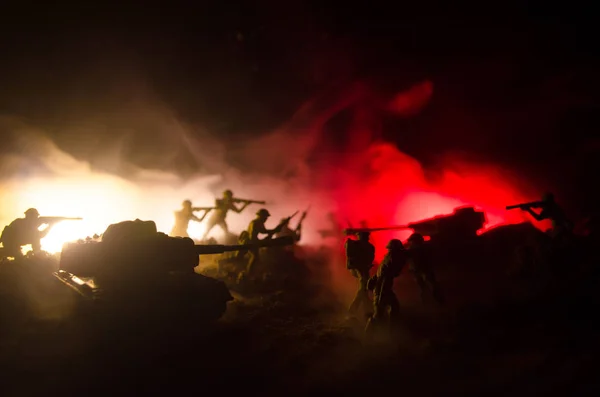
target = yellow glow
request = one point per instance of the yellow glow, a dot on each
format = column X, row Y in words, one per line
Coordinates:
column 71, row 188
column 101, row 200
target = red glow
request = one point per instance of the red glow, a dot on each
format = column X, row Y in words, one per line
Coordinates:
column 387, row 187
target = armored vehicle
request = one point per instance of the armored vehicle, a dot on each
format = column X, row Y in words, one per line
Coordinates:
column 135, row 271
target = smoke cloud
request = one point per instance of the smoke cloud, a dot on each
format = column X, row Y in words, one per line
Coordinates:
column 292, row 167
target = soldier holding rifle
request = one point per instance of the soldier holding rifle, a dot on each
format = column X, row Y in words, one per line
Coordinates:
column 183, row 218
column 561, row 225
column 286, row 230
column 24, row 231
column 222, row 207
column 360, row 255
column 382, row 285
column 256, row 227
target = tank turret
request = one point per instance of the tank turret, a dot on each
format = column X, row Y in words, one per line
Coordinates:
column 464, row 222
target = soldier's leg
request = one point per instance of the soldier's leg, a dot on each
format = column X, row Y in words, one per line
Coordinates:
column 418, row 276
column 392, row 301
column 364, row 291
column 253, row 260
column 375, row 321
column 362, row 295
column 11, row 250
column 209, row 225
column 223, row 225
column 434, row 286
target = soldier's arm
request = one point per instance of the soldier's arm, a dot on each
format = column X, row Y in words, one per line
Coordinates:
column 271, row 232
column 206, row 212
column 45, row 232
column 237, row 210
column 538, row 217
column 261, row 229
column 195, row 218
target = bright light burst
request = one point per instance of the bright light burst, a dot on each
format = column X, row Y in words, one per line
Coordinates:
column 102, row 200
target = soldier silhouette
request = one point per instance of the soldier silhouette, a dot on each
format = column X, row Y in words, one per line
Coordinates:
column 421, row 266
column 24, row 231
column 183, row 218
column 561, row 225
column 257, row 227
column 222, row 207
column 360, row 255
column 382, row 285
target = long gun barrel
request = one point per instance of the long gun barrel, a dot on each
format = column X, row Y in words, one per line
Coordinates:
column 289, row 218
column 244, row 201
column 219, row 249
column 55, row 219
column 374, row 229
column 302, row 218
column 532, row 204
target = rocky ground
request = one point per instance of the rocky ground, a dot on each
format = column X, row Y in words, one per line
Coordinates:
column 292, row 343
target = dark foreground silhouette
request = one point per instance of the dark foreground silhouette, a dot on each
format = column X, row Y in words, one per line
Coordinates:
column 522, row 337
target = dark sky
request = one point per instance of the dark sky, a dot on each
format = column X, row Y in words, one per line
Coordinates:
column 516, row 84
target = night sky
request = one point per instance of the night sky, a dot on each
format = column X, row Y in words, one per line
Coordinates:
column 516, row 86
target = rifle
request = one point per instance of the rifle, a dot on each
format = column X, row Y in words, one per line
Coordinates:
column 289, row 218
column 51, row 220
column 299, row 226
column 532, row 204
column 244, row 201
column 207, row 209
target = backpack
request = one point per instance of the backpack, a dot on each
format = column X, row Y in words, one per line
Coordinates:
column 359, row 256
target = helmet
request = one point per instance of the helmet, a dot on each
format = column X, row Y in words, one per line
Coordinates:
column 32, row 212
column 394, row 244
column 548, row 197
column 416, row 238
column 228, row 193
column 263, row 212
column 363, row 234
column 187, row 203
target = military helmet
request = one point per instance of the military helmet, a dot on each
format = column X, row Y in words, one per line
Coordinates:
column 32, row 212
column 363, row 234
column 228, row 193
column 548, row 197
column 394, row 244
column 187, row 203
column 263, row 212
column 416, row 237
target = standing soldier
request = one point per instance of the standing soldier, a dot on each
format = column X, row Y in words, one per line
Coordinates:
column 360, row 255
column 256, row 227
column 421, row 266
column 222, row 207
column 184, row 216
column 382, row 286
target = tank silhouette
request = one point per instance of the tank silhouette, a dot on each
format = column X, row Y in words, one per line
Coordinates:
column 463, row 223
column 135, row 269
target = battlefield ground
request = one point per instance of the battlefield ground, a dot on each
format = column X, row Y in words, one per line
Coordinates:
column 496, row 336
